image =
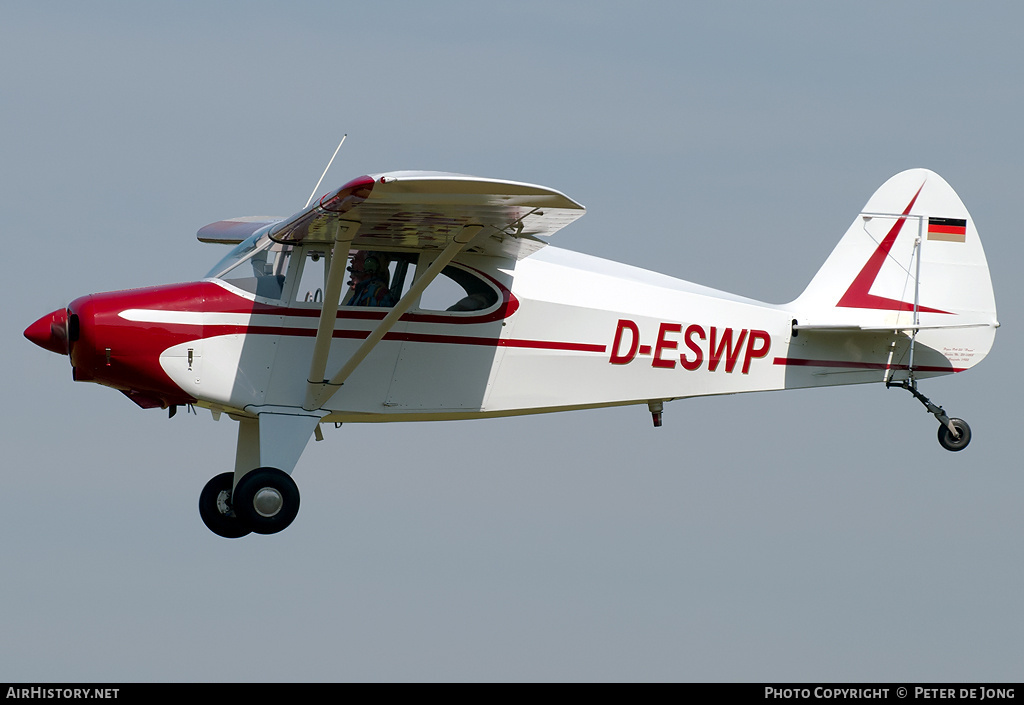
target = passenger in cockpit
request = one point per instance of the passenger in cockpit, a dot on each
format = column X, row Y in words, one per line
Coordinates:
column 369, row 282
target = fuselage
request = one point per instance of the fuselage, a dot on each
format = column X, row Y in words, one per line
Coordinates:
column 562, row 331
column 565, row 331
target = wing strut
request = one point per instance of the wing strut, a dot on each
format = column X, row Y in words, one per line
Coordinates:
column 343, row 237
column 319, row 393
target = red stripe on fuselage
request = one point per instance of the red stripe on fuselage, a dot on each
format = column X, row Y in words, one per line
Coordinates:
column 189, row 333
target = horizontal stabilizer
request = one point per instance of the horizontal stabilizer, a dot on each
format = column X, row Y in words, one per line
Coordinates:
column 234, row 230
column 876, row 329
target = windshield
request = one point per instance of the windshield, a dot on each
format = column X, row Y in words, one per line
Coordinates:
column 241, row 251
column 257, row 265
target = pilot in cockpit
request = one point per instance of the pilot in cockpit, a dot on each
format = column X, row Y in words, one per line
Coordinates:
column 369, row 282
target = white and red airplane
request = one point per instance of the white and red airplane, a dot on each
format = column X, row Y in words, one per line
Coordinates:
column 456, row 309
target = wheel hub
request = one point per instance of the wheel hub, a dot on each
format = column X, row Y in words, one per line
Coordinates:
column 267, row 502
column 224, row 503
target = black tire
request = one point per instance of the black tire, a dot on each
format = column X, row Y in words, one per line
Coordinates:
column 266, row 500
column 954, row 444
column 216, row 510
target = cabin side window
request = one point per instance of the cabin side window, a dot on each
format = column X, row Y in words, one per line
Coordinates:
column 371, row 279
column 456, row 289
column 377, row 279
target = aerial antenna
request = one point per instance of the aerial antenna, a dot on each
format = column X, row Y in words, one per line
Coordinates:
column 325, row 170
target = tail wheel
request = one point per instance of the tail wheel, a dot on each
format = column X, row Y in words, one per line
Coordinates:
column 948, row 441
column 216, row 510
column 266, row 500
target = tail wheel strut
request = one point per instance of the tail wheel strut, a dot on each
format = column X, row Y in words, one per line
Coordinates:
column 954, row 434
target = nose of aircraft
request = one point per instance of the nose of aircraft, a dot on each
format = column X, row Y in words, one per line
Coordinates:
column 50, row 332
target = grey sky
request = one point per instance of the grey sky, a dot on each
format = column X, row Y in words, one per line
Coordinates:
column 818, row 534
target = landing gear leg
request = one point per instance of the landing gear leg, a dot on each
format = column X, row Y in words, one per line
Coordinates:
column 954, row 434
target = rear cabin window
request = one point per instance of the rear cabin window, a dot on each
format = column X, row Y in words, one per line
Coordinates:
column 457, row 289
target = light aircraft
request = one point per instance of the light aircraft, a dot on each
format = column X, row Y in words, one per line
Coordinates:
column 476, row 317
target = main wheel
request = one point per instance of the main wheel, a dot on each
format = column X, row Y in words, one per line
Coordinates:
column 266, row 500
column 216, row 510
column 947, row 440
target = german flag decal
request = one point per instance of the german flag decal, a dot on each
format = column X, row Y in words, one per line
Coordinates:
column 947, row 229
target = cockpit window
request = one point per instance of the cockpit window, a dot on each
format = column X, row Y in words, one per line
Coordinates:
column 313, row 277
column 256, row 265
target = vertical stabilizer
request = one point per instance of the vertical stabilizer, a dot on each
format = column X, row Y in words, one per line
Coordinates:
column 910, row 262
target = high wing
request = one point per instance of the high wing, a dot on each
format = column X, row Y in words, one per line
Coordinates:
column 424, row 210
